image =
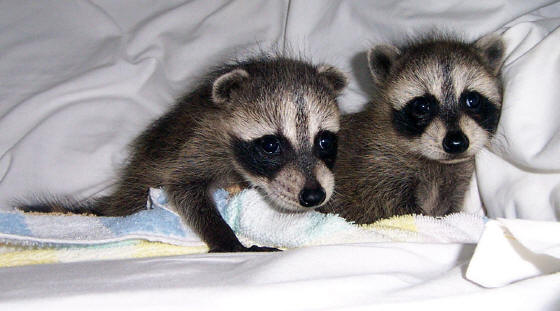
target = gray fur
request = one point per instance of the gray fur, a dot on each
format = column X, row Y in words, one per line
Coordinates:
column 383, row 170
column 189, row 151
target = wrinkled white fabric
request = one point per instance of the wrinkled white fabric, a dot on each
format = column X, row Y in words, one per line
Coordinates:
column 382, row 276
column 515, row 249
column 79, row 79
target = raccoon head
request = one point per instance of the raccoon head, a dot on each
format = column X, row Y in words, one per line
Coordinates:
column 444, row 95
column 283, row 125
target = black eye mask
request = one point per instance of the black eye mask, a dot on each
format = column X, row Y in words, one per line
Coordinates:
column 264, row 156
column 480, row 109
column 416, row 115
column 325, row 147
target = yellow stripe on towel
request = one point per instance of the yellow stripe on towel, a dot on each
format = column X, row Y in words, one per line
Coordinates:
column 154, row 249
column 11, row 256
column 28, row 257
column 403, row 222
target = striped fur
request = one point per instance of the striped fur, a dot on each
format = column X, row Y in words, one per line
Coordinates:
column 216, row 136
column 412, row 150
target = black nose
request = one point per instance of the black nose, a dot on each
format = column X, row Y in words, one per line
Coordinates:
column 455, row 142
column 311, row 197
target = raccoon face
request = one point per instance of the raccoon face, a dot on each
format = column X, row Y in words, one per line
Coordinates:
column 283, row 127
column 445, row 96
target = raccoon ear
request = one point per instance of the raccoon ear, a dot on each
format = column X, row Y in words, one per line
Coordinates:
column 380, row 60
column 492, row 49
column 225, row 84
column 334, row 77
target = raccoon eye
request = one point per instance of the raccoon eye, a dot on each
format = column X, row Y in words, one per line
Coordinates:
column 421, row 107
column 270, row 144
column 327, row 141
column 325, row 147
column 472, row 101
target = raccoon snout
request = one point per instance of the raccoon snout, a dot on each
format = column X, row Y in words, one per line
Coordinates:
column 455, row 142
column 310, row 197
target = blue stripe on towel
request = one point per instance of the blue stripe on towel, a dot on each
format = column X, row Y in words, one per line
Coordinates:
column 153, row 221
column 14, row 224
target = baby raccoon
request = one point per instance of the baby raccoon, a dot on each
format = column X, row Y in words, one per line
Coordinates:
column 412, row 149
column 268, row 121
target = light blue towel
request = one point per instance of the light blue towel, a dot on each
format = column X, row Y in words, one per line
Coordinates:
column 155, row 223
column 247, row 213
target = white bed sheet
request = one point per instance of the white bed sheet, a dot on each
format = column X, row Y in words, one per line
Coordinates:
column 343, row 277
column 79, row 79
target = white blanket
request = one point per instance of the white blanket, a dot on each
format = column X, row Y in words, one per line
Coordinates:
column 79, row 79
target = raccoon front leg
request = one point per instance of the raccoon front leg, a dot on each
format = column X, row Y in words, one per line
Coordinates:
column 429, row 199
column 452, row 192
column 192, row 201
column 438, row 199
column 406, row 202
column 442, row 192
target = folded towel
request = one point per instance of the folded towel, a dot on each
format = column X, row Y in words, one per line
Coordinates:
column 60, row 230
column 41, row 238
column 255, row 222
column 11, row 256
